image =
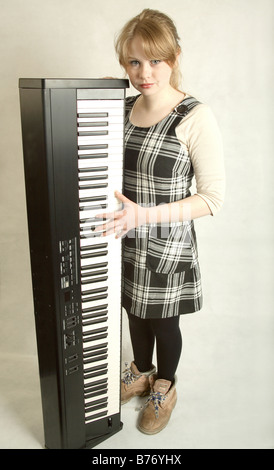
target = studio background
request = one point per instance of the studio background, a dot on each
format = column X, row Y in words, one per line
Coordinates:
column 225, row 377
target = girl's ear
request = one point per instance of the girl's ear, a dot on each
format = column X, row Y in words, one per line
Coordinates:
column 177, row 56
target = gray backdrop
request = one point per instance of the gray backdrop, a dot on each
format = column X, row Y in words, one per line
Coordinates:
column 225, row 378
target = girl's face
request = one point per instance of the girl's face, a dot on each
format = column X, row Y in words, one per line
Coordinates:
column 148, row 76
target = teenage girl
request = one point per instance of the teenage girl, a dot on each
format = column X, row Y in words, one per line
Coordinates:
column 169, row 138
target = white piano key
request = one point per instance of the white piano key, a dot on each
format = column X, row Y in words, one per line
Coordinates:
column 98, row 313
column 109, row 259
column 93, row 191
column 112, row 168
column 89, row 278
column 93, row 293
column 112, row 165
column 94, row 242
column 102, row 105
column 111, row 207
column 91, row 399
column 92, row 323
column 96, row 415
column 100, row 175
column 99, row 205
column 115, row 138
column 97, row 342
column 110, row 119
column 94, row 303
column 94, row 364
column 94, row 260
column 113, row 128
column 87, row 216
column 110, row 152
column 95, row 285
column 100, row 180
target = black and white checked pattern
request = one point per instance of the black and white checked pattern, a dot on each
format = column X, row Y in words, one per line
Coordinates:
column 161, row 269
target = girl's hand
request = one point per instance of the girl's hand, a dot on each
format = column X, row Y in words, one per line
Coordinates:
column 120, row 222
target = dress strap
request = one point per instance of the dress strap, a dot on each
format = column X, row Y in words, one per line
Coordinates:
column 183, row 108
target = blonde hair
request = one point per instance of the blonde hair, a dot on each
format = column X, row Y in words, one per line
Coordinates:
column 159, row 38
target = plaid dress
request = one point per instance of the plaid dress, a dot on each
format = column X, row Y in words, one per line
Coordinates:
column 161, row 274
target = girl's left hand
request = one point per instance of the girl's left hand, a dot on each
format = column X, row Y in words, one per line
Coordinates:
column 120, row 222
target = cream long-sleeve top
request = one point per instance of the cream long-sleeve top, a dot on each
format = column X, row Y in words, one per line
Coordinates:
column 200, row 134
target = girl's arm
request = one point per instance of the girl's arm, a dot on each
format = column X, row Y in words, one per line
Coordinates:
column 134, row 215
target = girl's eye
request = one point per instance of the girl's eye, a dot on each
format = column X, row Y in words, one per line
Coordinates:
column 155, row 62
column 134, row 63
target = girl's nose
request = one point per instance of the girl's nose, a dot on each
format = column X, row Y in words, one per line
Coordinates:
column 145, row 70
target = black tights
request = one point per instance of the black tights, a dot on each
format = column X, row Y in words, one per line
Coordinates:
column 166, row 331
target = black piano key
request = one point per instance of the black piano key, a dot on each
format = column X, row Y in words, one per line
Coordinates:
column 92, row 115
column 96, row 404
column 98, row 373
column 94, row 332
column 95, row 322
column 96, row 347
column 95, row 353
column 89, row 408
column 99, row 273
column 97, row 319
column 93, row 254
column 95, row 207
column 90, row 156
column 96, row 308
column 93, row 387
column 97, row 290
column 94, row 247
column 92, row 280
column 100, row 401
column 92, row 219
column 90, row 360
column 94, row 338
column 94, row 266
column 95, row 297
column 95, row 369
column 87, row 228
column 93, row 198
column 92, row 133
column 89, row 316
column 88, row 419
column 93, row 178
column 93, row 169
column 93, row 124
column 92, row 406
column 89, row 387
column 82, row 200
column 91, row 235
column 96, row 393
column 93, row 186
column 94, row 311
column 92, row 147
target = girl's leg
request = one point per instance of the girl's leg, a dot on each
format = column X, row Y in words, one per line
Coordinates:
column 169, row 346
column 142, row 340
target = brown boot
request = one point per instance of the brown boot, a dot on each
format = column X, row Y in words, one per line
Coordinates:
column 159, row 407
column 135, row 383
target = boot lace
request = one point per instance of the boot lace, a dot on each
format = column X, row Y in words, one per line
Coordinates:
column 129, row 376
column 157, row 399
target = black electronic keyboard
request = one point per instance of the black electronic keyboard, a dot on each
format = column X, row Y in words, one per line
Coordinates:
column 73, row 145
